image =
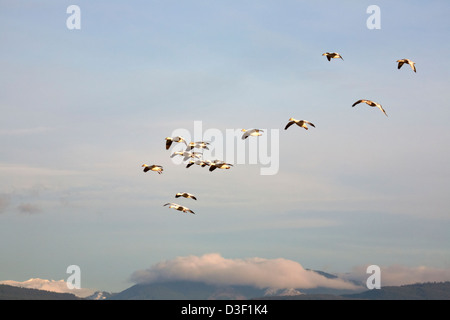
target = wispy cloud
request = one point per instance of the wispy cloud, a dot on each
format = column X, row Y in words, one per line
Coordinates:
column 28, row 208
column 259, row 272
column 26, row 170
column 25, row 131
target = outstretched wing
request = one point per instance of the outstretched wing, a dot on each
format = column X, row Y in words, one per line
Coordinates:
column 290, row 123
column 357, row 102
column 170, row 204
column 381, row 108
column 168, row 143
column 190, row 164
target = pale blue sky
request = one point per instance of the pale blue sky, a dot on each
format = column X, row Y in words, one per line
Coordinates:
column 81, row 110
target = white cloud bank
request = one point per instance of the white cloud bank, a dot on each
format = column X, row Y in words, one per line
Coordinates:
column 212, row 268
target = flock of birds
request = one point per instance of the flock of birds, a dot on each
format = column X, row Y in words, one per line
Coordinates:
column 196, row 157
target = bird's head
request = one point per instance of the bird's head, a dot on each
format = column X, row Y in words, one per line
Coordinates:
column 243, row 130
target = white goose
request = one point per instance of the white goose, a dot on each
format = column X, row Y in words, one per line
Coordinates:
column 185, row 195
column 300, row 123
column 252, row 132
column 219, row 164
column 187, row 155
column 370, row 103
column 198, row 145
column 153, row 167
column 170, row 140
column 201, row 163
column 178, row 207
column 332, row 55
column 401, row 62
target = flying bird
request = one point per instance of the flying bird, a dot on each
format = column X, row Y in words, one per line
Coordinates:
column 401, row 62
column 186, row 154
column 219, row 164
column 252, row 132
column 370, row 103
column 178, row 207
column 201, row 163
column 170, row 140
column 331, row 55
column 198, row 145
column 153, row 167
column 300, row 123
column 185, row 195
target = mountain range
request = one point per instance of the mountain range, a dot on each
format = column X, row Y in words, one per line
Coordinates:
column 190, row 290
